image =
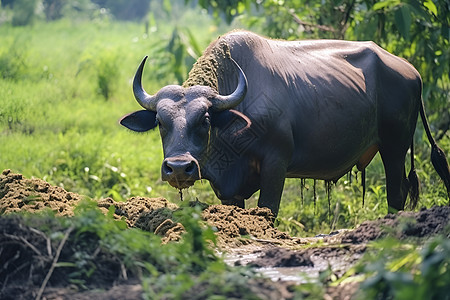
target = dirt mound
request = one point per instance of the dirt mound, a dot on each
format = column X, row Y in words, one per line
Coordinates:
column 237, row 226
column 402, row 225
column 234, row 226
column 20, row 194
column 151, row 214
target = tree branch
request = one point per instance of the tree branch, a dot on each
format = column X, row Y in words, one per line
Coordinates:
column 55, row 261
column 320, row 27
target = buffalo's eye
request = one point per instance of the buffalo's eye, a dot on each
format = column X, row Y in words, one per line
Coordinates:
column 162, row 127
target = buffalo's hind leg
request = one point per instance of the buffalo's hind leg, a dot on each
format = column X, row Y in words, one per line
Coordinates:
column 397, row 185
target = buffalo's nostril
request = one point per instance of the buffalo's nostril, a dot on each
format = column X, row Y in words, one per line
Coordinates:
column 166, row 168
column 179, row 168
column 190, row 168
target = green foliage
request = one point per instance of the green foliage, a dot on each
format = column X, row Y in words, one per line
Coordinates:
column 180, row 53
column 26, row 11
column 196, row 238
column 227, row 9
column 126, row 9
column 105, row 64
column 23, row 12
column 396, row 269
column 13, row 59
column 53, row 9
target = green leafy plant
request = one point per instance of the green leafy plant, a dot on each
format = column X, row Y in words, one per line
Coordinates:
column 13, row 58
column 396, row 269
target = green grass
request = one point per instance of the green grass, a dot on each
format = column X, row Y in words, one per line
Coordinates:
column 64, row 87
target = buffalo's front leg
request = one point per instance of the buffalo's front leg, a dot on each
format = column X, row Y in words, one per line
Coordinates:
column 273, row 174
column 236, row 202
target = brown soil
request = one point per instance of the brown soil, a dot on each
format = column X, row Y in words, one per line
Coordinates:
column 20, row 194
column 239, row 232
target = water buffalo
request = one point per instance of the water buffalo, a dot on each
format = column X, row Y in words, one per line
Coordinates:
column 303, row 109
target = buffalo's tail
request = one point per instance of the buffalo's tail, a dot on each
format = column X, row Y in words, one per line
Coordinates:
column 438, row 158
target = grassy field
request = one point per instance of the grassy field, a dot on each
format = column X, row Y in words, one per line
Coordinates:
column 64, row 85
column 63, row 91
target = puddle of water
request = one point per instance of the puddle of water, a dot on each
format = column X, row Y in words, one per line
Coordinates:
column 292, row 274
column 242, row 259
column 301, row 274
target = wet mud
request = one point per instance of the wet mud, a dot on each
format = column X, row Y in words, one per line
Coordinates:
column 244, row 236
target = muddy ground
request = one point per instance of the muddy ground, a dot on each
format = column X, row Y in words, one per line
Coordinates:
column 247, row 236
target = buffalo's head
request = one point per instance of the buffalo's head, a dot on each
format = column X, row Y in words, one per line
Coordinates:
column 184, row 119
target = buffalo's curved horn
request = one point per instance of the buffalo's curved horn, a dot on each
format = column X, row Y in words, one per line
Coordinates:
column 145, row 100
column 220, row 102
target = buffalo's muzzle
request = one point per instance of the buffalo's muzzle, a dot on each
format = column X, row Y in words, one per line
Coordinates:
column 180, row 171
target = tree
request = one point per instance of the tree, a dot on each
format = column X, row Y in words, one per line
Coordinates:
column 126, row 9
column 53, row 9
column 23, row 12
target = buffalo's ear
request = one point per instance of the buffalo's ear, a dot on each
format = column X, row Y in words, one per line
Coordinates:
column 221, row 119
column 231, row 117
column 140, row 121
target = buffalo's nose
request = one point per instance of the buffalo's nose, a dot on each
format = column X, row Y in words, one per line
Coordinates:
column 179, row 168
column 180, row 171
